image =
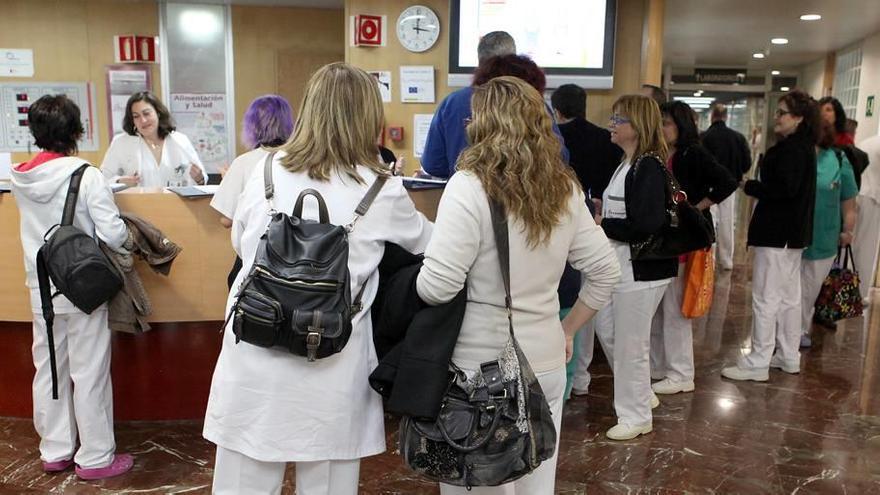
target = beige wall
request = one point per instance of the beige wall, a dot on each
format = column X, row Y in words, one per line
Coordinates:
column 72, row 40
column 869, row 84
column 277, row 49
column 812, row 78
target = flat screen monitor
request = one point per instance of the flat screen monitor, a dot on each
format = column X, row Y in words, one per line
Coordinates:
column 572, row 40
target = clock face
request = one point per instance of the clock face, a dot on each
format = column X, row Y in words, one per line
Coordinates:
column 418, row 28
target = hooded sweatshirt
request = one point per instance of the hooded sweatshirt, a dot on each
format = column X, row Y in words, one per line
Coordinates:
column 40, row 191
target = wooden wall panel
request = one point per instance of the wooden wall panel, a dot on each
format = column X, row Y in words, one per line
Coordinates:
column 73, row 41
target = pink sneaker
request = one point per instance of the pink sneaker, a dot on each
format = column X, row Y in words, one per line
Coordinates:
column 57, row 466
column 122, row 463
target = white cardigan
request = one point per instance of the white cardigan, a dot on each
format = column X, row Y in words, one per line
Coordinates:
column 463, row 251
column 129, row 154
column 276, row 407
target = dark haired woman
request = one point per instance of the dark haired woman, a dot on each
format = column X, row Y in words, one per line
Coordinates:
column 151, row 153
column 831, row 112
column 706, row 183
column 780, row 229
column 78, row 427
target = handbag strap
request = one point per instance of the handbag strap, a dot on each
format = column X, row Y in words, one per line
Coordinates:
column 502, row 242
column 673, row 188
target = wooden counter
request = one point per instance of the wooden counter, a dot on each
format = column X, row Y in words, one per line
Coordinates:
column 195, row 290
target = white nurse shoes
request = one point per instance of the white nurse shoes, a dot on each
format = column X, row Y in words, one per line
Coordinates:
column 669, row 386
column 742, row 374
column 623, row 431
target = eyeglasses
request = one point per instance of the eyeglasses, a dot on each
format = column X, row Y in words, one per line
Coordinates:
column 467, row 121
column 780, row 112
column 618, row 120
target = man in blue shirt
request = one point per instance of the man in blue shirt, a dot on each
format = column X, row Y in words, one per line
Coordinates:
column 446, row 137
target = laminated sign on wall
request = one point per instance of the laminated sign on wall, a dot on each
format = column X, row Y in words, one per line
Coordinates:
column 202, row 117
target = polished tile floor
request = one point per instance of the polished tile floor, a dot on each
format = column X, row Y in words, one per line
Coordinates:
column 817, row 432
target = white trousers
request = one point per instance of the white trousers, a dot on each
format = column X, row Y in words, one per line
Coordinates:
column 813, row 273
column 541, row 481
column 672, row 336
column 776, row 301
column 724, row 233
column 84, row 410
column 587, row 337
column 238, row 474
column 624, row 330
column 866, row 242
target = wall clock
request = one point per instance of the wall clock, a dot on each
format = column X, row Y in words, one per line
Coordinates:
column 418, row 28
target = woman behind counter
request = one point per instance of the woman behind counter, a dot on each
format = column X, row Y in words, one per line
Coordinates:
column 151, row 153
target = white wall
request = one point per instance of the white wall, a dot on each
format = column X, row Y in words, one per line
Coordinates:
column 869, row 84
column 812, row 77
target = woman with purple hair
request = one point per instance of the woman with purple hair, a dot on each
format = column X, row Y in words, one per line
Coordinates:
column 268, row 122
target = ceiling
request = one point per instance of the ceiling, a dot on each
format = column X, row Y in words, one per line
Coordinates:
column 719, row 33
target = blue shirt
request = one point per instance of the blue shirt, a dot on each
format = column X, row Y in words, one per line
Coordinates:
column 446, row 137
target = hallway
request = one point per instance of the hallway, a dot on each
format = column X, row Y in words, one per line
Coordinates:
column 817, row 432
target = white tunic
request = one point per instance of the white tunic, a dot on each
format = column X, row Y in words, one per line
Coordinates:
column 129, row 154
column 614, row 206
column 273, row 406
column 226, row 197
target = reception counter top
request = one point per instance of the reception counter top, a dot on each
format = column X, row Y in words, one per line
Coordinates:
column 195, row 290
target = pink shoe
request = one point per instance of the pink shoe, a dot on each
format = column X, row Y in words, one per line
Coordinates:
column 57, row 466
column 122, row 463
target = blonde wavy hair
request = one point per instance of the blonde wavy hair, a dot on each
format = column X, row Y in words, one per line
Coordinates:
column 643, row 114
column 517, row 157
column 340, row 120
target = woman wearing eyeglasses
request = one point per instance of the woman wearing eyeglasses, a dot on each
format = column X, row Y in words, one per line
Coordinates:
column 633, row 208
column 780, row 229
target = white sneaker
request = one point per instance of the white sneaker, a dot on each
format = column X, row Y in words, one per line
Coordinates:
column 655, row 402
column 579, row 392
column 737, row 373
column 778, row 363
column 623, row 431
column 670, row 386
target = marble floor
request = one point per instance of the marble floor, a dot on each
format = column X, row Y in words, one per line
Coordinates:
column 816, row 432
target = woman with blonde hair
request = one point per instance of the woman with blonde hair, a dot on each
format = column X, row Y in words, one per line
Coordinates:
column 514, row 159
column 634, row 208
column 268, row 407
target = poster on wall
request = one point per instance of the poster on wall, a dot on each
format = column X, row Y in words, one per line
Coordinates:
column 16, row 62
column 421, row 126
column 202, row 118
column 416, row 84
column 122, row 82
column 17, row 97
column 383, row 79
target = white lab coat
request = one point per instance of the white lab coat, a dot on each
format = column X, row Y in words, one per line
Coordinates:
column 129, row 154
column 273, row 406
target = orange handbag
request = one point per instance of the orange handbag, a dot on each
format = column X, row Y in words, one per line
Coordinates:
column 699, row 283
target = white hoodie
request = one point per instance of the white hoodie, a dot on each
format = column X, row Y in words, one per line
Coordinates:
column 40, row 193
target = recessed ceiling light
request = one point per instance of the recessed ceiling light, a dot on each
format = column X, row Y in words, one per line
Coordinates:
column 784, row 88
column 811, row 17
column 774, row 72
column 758, row 55
column 779, row 41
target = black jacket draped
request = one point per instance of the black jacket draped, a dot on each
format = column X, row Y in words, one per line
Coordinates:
column 700, row 176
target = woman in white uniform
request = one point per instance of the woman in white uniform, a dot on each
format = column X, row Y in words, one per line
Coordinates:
column 268, row 407
column 514, row 158
column 151, row 153
column 633, row 208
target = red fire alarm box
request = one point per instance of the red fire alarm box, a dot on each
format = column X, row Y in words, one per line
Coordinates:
column 395, row 134
column 369, row 30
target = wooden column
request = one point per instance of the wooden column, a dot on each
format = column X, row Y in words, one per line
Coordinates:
column 828, row 78
column 652, row 42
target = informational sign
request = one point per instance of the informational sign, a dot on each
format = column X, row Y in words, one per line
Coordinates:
column 16, row 62
column 720, row 76
column 17, row 97
column 383, row 79
column 869, row 107
column 416, row 84
column 5, row 165
column 122, row 82
column 130, row 48
column 202, row 118
column 421, row 125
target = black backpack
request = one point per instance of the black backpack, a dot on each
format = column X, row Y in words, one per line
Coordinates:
column 77, row 267
column 297, row 295
column 859, row 161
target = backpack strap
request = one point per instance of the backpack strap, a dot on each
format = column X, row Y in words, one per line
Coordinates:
column 48, row 315
column 367, row 200
column 268, row 184
column 72, row 194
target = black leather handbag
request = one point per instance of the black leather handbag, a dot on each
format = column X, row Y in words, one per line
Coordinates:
column 686, row 228
column 493, row 428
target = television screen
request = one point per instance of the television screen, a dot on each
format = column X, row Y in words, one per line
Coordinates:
column 572, row 40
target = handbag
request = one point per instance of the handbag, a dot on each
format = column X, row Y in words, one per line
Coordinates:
column 494, row 427
column 686, row 229
column 839, row 297
column 699, row 283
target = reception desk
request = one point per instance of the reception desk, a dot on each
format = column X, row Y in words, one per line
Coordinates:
column 195, row 290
